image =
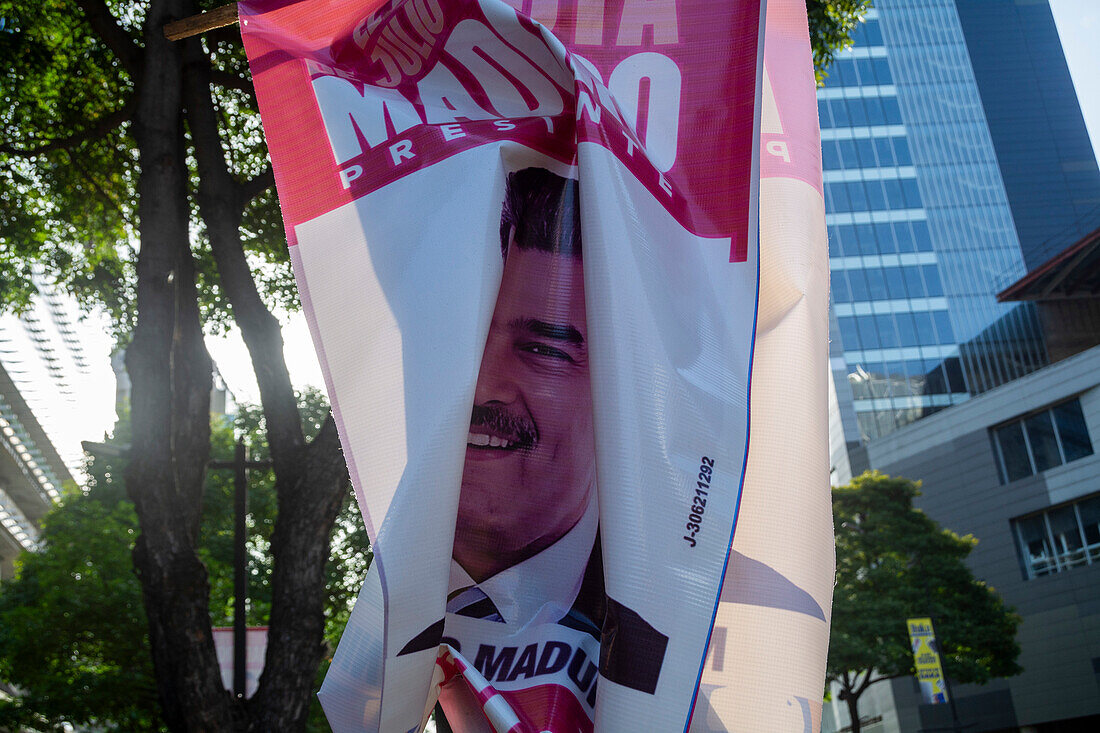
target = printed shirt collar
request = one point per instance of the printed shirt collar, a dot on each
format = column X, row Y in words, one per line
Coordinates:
column 543, row 587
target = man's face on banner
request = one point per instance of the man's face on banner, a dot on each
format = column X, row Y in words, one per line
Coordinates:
column 530, row 461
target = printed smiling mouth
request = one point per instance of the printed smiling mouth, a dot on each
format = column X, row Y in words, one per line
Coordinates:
column 493, row 427
column 481, row 440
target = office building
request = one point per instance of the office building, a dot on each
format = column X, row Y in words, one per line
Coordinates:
column 955, row 158
column 59, row 387
column 31, row 474
column 1018, row 467
column 963, row 203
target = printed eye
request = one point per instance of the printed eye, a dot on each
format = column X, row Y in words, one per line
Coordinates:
column 541, row 349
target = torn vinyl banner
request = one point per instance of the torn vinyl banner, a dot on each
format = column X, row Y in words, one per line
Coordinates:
column 525, row 237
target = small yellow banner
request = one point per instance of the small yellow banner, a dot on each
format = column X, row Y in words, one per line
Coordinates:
column 926, row 658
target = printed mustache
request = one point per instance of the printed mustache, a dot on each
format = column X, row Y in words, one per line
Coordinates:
column 517, row 429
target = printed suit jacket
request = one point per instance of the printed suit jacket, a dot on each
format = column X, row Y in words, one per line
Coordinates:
column 632, row 651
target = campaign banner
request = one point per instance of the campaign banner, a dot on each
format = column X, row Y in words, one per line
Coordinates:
column 526, row 240
column 926, row 660
column 765, row 668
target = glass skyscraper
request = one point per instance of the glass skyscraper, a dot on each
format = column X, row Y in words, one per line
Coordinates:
column 955, row 158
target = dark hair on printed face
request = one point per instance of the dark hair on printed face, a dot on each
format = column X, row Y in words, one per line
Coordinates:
column 544, row 209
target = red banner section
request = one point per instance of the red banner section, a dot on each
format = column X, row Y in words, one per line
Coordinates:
column 669, row 87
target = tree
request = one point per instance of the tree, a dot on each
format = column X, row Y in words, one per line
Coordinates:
column 112, row 139
column 895, row 563
column 72, row 628
column 831, row 26
column 133, row 170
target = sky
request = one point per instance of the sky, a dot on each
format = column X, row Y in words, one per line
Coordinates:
column 1078, row 24
column 231, row 357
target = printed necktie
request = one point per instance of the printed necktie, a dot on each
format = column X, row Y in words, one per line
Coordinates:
column 472, row 602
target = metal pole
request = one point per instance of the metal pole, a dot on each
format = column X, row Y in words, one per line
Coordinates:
column 951, row 699
column 240, row 465
column 240, row 569
column 946, row 681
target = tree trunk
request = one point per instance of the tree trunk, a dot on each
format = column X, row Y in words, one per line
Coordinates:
column 310, row 479
column 300, row 546
column 853, row 709
column 171, row 376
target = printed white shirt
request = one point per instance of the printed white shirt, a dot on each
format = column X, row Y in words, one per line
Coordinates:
column 543, row 587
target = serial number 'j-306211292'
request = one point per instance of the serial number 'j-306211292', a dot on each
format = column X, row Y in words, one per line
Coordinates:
column 699, row 500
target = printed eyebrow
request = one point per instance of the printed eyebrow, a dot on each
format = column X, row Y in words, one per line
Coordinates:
column 554, row 331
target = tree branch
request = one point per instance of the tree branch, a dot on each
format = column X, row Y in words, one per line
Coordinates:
column 253, row 187
column 100, row 128
column 868, row 682
column 121, row 43
column 220, row 201
column 194, row 25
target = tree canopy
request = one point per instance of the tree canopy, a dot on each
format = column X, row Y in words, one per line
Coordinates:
column 893, row 563
column 832, row 23
column 73, row 632
column 72, row 629
column 69, row 162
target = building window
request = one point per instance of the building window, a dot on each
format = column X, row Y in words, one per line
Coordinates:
column 1060, row 538
column 867, row 33
column 1042, row 440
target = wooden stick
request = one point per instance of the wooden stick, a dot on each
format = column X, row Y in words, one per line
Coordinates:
column 217, row 18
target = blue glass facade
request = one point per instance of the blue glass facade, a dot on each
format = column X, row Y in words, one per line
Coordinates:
column 922, row 231
column 1047, row 164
